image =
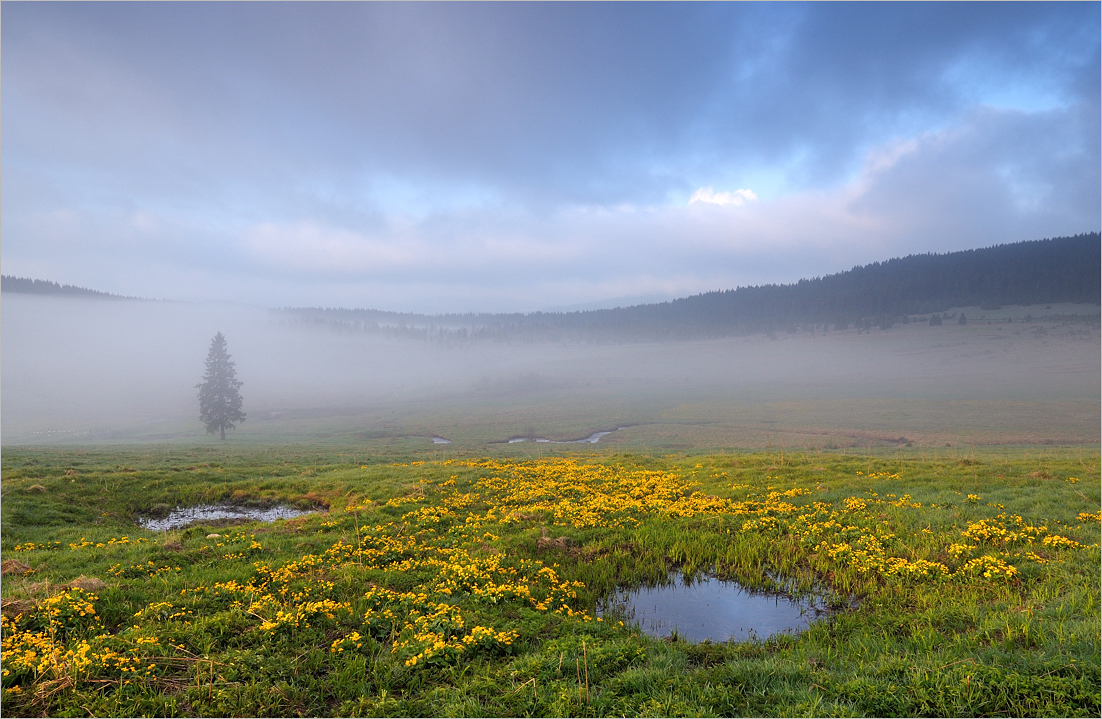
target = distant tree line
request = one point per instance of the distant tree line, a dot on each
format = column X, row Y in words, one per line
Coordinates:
column 45, row 287
column 1062, row 269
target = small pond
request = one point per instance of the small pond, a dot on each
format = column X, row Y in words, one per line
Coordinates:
column 183, row 516
column 710, row 608
column 440, row 440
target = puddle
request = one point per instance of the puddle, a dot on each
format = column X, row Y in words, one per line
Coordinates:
column 441, row 440
column 591, row 439
column 710, row 608
column 183, row 516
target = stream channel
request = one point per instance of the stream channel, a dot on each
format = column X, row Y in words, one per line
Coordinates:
column 591, row 439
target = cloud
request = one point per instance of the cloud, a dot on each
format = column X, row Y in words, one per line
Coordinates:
column 499, row 156
column 994, row 176
column 710, row 196
column 307, row 248
column 144, row 222
column 940, row 191
column 519, row 98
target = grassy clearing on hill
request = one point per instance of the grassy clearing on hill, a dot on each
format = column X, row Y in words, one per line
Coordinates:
column 467, row 586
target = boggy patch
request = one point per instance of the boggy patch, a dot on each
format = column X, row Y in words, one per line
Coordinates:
column 221, row 515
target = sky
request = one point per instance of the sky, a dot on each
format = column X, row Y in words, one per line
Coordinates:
column 514, row 157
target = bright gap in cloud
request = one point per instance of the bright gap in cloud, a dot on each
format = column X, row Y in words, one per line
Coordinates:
column 711, row 197
column 420, row 198
column 973, row 77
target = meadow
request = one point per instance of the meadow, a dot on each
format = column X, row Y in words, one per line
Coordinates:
column 456, row 583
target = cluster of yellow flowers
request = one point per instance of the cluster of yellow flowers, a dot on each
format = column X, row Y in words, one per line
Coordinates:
column 39, row 652
column 36, row 643
column 44, row 655
column 113, row 542
column 572, row 493
column 1056, row 540
column 863, row 548
column 149, row 569
column 32, row 547
column 584, row 495
column 352, row 640
column 879, row 475
column 436, row 644
column 956, row 550
column 988, row 566
column 162, row 611
column 446, row 547
column 298, row 615
column 1007, row 530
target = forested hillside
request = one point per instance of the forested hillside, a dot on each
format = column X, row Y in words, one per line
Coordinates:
column 1063, row 269
column 45, row 287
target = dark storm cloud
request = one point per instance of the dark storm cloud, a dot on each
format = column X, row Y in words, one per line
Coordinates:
column 428, row 150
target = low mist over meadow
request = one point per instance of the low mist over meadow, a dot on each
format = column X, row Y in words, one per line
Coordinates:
column 91, row 369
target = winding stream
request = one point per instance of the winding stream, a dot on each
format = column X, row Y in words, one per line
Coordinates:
column 591, row 439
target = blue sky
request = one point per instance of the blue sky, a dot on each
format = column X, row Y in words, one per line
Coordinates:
column 453, row 157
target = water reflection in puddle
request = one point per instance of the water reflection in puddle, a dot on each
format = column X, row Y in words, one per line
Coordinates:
column 709, row 608
column 183, row 516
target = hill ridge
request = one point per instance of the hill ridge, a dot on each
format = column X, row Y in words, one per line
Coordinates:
column 26, row 285
column 1060, row 269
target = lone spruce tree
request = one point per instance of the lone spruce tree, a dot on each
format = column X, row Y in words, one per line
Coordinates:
column 219, row 400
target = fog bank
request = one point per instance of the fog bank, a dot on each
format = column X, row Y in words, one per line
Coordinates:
column 81, row 370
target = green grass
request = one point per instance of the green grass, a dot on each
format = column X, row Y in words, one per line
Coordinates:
column 958, row 644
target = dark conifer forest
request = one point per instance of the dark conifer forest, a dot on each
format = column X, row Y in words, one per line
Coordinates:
column 1062, row 269
column 45, row 287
